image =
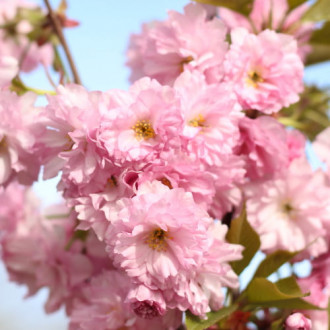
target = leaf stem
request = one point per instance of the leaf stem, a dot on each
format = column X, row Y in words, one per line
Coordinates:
column 59, row 32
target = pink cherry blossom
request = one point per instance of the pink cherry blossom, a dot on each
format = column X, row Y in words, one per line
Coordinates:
column 264, row 147
column 291, row 212
column 147, row 122
column 266, row 14
column 161, row 238
column 18, row 138
column 210, row 114
column 165, row 49
column 265, row 69
column 298, row 321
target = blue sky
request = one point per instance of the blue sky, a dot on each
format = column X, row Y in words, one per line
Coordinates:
column 98, row 46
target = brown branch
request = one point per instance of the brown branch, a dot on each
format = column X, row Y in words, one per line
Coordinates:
column 59, row 32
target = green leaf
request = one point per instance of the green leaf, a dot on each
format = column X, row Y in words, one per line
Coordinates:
column 319, row 53
column 277, row 325
column 282, row 294
column 319, row 11
column 241, row 6
column 273, row 262
column 295, row 3
column 241, row 232
column 193, row 322
column 321, row 36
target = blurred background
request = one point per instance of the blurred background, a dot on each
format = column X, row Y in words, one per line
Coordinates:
column 98, row 45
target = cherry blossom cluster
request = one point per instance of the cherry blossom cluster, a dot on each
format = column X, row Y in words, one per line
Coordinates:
column 152, row 177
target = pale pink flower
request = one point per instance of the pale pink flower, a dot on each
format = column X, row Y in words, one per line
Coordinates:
column 298, row 321
column 95, row 209
column 291, row 212
column 211, row 114
column 17, row 203
column 48, row 253
column 296, row 144
column 268, row 14
column 8, row 70
column 264, row 147
column 149, row 242
column 18, row 138
column 165, row 49
column 68, row 141
column 321, row 146
column 104, row 307
column 147, row 122
column 265, row 69
column 176, row 170
column 162, row 239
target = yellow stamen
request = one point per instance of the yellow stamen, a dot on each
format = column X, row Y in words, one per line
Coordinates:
column 287, row 208
column 254, row 78
column 112, row 181
column 68, row 144
column 157, row 240
column 143, row 130
column 184, row 61
column 198, row 121
column 166, row 182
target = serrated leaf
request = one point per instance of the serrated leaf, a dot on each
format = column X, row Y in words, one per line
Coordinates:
column 282, row 294
column 241, row 232
column 241, row 6
column 193, row 322
column 295, row 3
column 273, row 261
column 319, row 11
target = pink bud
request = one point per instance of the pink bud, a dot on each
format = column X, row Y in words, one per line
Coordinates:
column 298, row 321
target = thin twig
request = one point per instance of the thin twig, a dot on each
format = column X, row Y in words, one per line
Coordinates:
column 59, row 32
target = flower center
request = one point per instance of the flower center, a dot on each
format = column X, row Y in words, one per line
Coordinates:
column 166, row 182
column 143, row 130
column 198, row 121
column 184, row 61
column 68, row 144
column 146, row 309
column 254, row 78
column 157, row 240
column 287, row 208
column 112, row 181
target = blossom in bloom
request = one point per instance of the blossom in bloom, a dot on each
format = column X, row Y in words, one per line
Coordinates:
column 162, row 239
column 67, row 142
column 321, row 146
column 265, row 69
column 145, row 123
column 264, row 146
column 8, row 69
column 106, row 307
column 94, row 210
column 18, row 138
column 211, row 114
column 267, row 14
column 298, row 321
column 291, row 212
column 165, row 49
column 40, row 252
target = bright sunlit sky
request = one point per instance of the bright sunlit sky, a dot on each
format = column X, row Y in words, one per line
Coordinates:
column 98, row 46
